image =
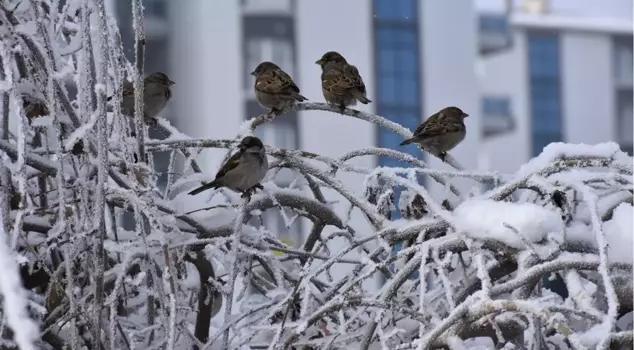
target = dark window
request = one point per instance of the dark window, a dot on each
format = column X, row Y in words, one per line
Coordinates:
column 496, row 106
column 493, row 23
column 545, row 90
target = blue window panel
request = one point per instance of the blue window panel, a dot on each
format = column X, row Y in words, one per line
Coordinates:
column 409, row 92
column 387, row 61
column 388, row 90
column 545, row 90
column 398, row 76
column 400, row 10
column 407, row 62
column 395, row 37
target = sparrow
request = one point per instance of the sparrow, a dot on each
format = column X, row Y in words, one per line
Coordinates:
column 441, row 132
column 341, row 83
column 156, row 94
column 243, row 171
column 274, row 88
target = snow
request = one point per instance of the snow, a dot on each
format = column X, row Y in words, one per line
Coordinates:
column 557, row 150
column 486, row 219
column 15, row 297
column 619, row 232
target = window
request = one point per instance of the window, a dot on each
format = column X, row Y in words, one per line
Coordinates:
column 623, row 61
column 494, row 23
column 398, row 77
column 496, row 106
column 397, row 71
column 545, row 90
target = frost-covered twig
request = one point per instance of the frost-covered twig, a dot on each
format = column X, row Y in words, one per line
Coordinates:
column 234, row 267
column 139, row 50
column 15, row 298
column 102, row 159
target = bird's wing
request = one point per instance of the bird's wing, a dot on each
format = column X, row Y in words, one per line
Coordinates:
column 276, row 82
column 352, row 75
column 334, row 80
column 231, row 164
column 437, row 124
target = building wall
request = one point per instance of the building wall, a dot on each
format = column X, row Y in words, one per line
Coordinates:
column 589, row 90
column 504, row 74
column 449, row 77
column 205, row 60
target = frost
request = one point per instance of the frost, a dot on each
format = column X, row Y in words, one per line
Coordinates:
column 98, row 245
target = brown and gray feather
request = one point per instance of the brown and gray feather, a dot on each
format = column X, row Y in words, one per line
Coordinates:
column 341, row 82
column 274, row 88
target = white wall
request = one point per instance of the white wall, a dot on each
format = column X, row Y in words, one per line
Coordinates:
column 588, row 99
column 448, row 54
column 506, row 74
column 206, row 62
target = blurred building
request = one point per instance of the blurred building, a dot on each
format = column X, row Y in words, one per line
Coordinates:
column 565, row 76
column 412, row 62
column 529, row 72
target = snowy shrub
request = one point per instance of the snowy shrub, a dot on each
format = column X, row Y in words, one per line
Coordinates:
column 473, row 271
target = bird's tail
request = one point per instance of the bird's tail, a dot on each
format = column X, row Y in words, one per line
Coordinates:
column 300, row 98
column 361, row 97
column 407, row 142
column 205, row 187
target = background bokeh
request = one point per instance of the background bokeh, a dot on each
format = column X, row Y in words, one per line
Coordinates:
column 529, row 72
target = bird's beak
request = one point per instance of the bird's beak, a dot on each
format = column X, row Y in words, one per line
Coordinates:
column 170, row 83
column 464, row 115
column 319, row 62
column 252, row 73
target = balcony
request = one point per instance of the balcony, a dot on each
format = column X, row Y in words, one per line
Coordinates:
column 495, row 33
column 497, row 118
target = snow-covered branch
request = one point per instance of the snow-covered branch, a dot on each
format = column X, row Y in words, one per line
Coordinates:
column 109, row 257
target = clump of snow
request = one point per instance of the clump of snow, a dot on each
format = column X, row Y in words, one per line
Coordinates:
column 486, row 219
column 558, row 150
column 618, row 232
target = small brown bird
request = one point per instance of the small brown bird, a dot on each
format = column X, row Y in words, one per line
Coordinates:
column 340, row 81
column 243, row 171
column 441, row 132
column 156, row 94
column 274, row 89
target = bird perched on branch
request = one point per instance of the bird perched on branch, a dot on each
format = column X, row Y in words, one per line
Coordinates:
column 441, row 132
column 243, row 171
column 341, row 83
column 274, row 88
column 156, row 94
